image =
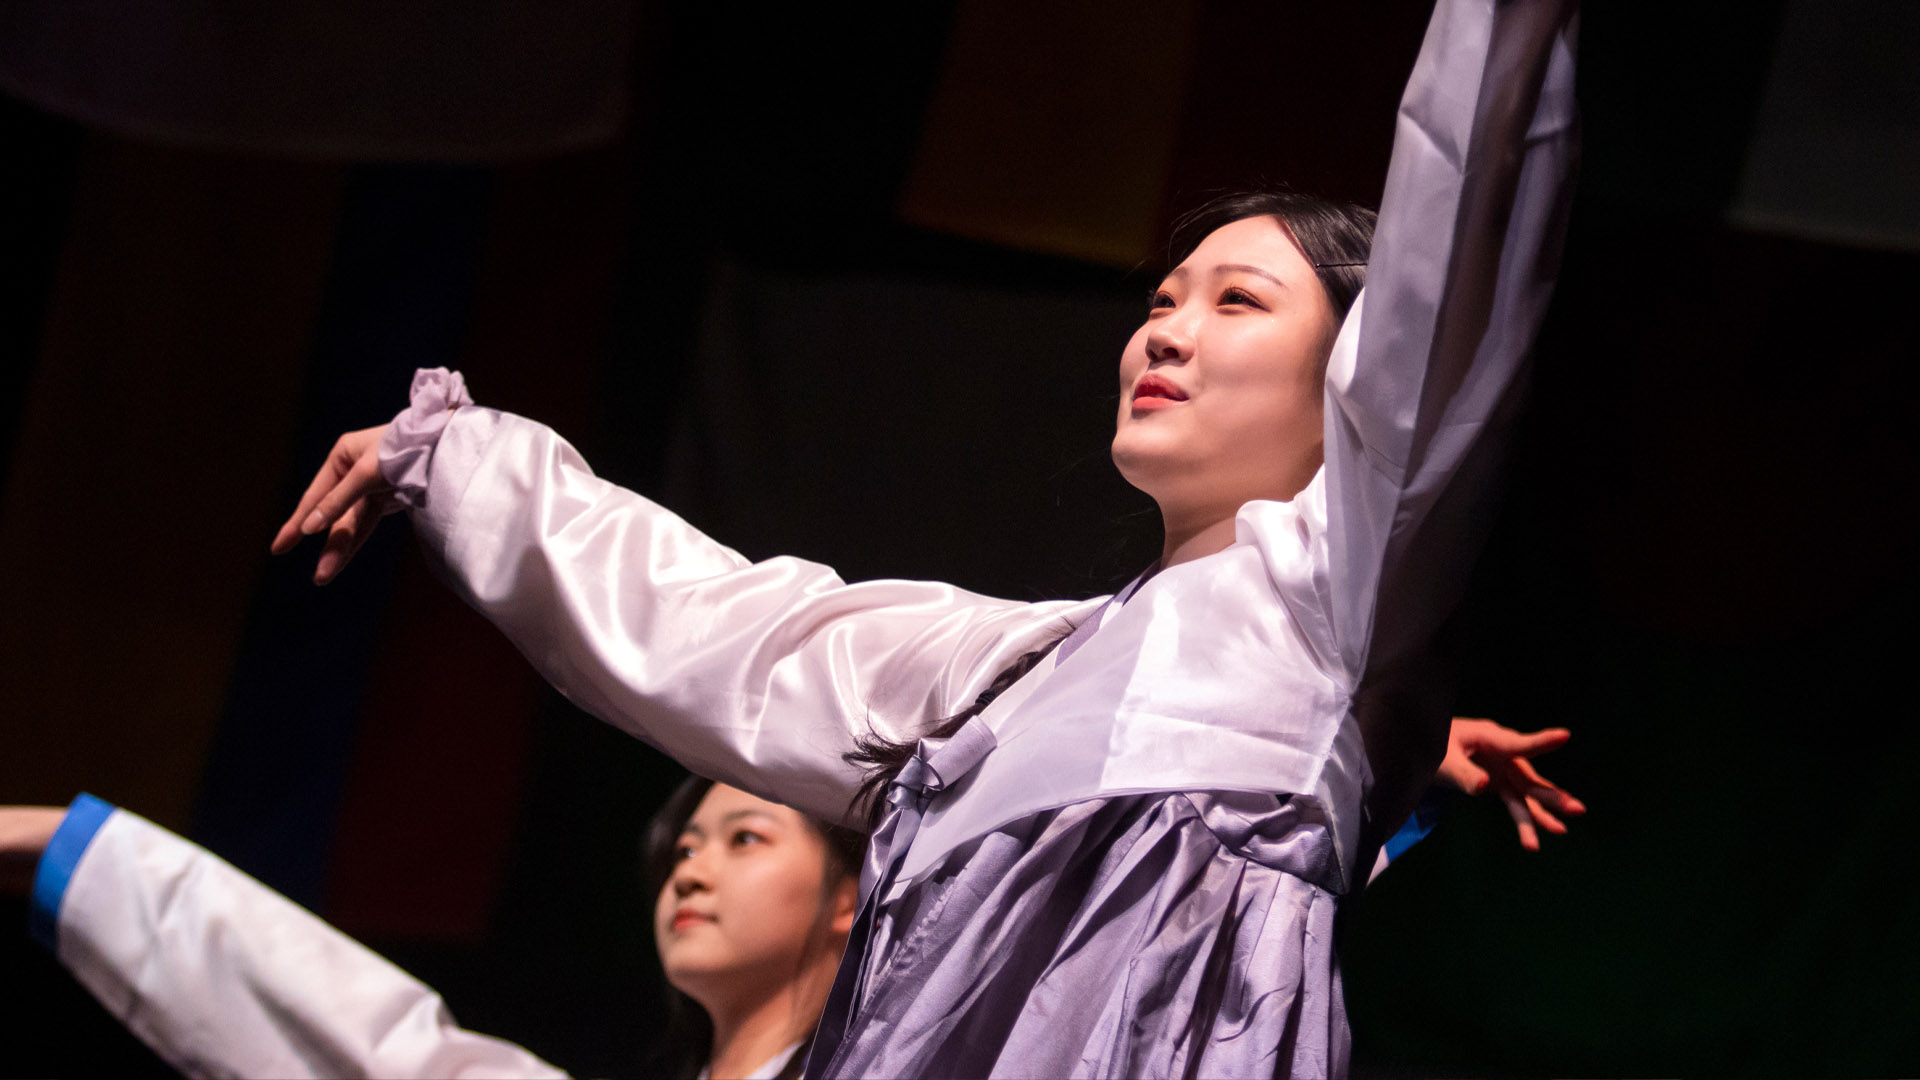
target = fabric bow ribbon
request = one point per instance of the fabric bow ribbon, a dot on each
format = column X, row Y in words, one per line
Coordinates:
column 935, row 766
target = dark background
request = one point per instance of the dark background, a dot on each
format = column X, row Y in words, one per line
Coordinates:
column 854, row 290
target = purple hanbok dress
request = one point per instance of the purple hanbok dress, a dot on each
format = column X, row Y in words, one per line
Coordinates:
column 1128, row 864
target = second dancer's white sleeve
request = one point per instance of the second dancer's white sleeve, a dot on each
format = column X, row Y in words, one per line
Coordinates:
column 757, row 674
column 224, row 977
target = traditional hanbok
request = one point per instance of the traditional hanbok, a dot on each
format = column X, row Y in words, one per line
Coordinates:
column 1128, row 864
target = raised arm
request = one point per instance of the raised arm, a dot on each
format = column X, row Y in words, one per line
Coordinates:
column 1425, row 370
column 1463, row 265
column 221, row 976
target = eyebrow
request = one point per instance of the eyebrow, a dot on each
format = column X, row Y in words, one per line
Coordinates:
column 728, row 819
column 1181, row 271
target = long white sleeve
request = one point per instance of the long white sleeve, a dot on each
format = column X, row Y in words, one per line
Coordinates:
column 761, row 675
column 1257, row 668
column 222, row 977
column 1427, row 368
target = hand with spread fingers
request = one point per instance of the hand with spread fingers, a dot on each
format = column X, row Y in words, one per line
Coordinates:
column 1482, row 754
column 346, row 500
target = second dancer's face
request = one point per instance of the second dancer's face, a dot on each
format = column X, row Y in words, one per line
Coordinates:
column 1220, row 388
column 749, row 900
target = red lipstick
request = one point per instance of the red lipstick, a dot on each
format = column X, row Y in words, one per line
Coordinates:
column 685, row 917
column 1155, row 391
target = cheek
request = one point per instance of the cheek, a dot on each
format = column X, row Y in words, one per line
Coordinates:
column 772, row 904
column 663, row 906
column 663, row 940
column 1277, row 373
column 1133, row 359
column 1269, row 404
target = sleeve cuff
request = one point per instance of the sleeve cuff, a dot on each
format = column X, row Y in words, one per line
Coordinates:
column 1425, row 817
column 57, row 864
column 406, row 450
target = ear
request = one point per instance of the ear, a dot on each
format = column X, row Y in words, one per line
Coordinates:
column 845, row 905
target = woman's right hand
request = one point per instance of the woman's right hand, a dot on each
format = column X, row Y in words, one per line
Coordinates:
column 1482, row 754
column 347, row 498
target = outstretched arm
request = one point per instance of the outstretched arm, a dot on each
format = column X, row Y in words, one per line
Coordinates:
column 757, row 674
column 220, row 975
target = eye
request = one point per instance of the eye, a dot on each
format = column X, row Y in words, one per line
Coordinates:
column 747, row 838
column 1235, row 296
column 682, row 851
column 1160, row 300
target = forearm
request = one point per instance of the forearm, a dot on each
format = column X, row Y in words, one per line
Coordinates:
column 1463, row 265
column 1425, row 374
column 761, row 674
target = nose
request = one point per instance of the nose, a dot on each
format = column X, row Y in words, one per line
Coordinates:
column 1170, row 337
column 690, row 875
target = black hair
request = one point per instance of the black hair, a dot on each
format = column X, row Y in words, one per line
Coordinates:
column 1336, row 237
column 687, row 1036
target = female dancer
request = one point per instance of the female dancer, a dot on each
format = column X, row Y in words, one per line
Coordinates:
column 221, row 976
column 1091, row 873
column 754, row 902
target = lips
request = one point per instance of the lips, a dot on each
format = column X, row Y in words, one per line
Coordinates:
column 685, row 917
column 1153, row 391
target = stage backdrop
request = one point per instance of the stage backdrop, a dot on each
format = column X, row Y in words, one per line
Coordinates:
column 863, row 304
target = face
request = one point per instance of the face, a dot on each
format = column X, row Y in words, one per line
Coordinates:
column 748, row 903
column 1220, row 389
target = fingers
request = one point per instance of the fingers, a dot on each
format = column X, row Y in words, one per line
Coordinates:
column 346, row 538
column 1522, row 820
column 1460, row 771
column 1540, row 787
column 363, row 479
column 1530, row 815
column 1545, row 819
column 1475, row 737
column 345, row 500
column 1522, row 744
column 1482, row 754
column 1561, row 801
column 351, row 472
column 323, row 481
column 1539, row 742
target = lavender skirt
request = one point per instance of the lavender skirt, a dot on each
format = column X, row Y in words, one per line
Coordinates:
column 1146, row 935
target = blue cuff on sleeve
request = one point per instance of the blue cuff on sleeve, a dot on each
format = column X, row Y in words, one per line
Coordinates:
column 1425, row 817
column 50, row 879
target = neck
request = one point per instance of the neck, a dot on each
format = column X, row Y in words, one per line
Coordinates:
column 1194, row 536
column 748, row 1033
column 746, row 1038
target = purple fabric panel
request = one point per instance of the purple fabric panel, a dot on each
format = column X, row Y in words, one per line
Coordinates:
column 406, row 450
column 1150, row 935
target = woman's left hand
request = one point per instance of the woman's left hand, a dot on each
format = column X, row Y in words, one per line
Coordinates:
column 1483, row 754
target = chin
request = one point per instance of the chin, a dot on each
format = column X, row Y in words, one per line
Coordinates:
column 1147, row 468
